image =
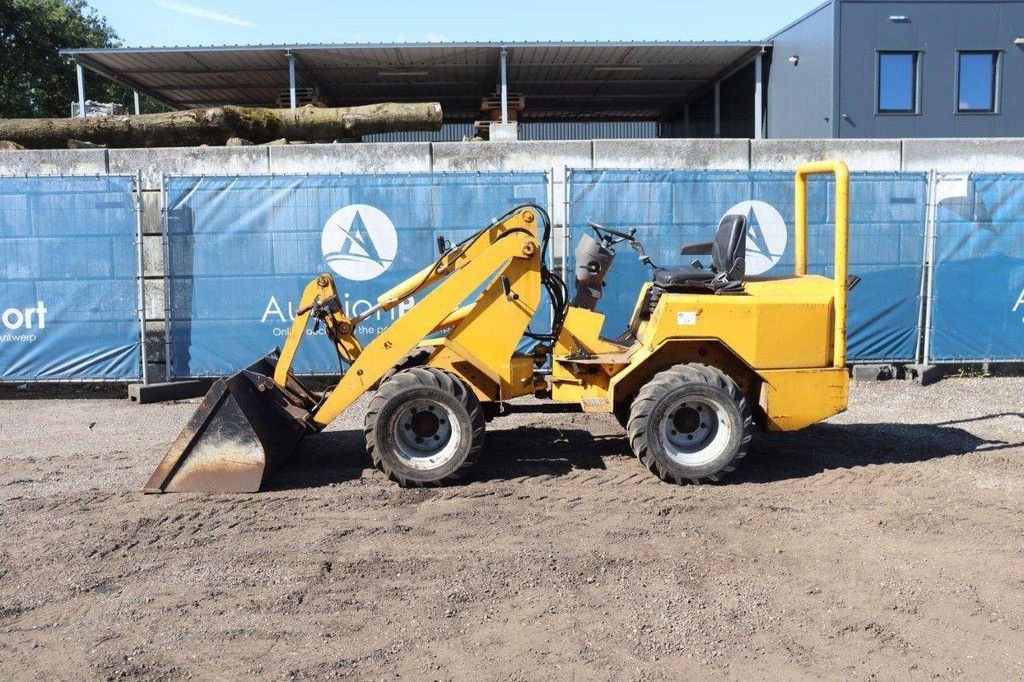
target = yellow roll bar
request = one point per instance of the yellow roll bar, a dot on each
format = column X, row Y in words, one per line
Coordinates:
column 842, row 226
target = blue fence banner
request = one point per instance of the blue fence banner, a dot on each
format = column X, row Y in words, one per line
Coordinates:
column 669, row 208
column 242, row 248
column 68, row 279
column 977, row 298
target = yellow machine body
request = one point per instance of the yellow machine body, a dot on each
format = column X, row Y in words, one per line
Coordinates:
column 781, row 339
column 775, row 340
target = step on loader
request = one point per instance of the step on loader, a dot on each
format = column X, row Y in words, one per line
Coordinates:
column 709, row 352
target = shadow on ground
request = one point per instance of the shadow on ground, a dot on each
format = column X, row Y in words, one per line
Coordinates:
column 822, row 447
column 323, row 459
column 337, row 456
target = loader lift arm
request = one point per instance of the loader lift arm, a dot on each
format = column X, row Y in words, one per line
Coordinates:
column 251, row 420
column 508, row 251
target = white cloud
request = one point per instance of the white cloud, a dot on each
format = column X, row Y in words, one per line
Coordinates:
column 202, row 13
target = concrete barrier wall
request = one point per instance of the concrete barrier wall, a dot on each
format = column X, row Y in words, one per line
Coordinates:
column 946, row 155
column 1003, row 155
column 672, row 153
column 950, row 155
column 860, row 155
column 53, row 162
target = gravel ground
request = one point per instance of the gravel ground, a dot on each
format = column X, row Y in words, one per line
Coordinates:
column 887, row 542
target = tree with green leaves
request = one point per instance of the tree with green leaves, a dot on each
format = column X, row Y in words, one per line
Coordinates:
column 35, row 80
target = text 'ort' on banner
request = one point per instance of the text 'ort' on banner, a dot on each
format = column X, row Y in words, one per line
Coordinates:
column 670, row 208
column 242, row 249
column 68, row 287
column 977, row 301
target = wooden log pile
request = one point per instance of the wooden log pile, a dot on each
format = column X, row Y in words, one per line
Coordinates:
column 217, row 125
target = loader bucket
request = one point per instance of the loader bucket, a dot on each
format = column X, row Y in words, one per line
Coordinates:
column 244, row 426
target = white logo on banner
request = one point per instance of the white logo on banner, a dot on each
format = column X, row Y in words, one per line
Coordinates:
column 21, row 320
column 359, row 242
column 766, row 235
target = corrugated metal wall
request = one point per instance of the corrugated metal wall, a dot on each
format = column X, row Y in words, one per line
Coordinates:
column 450, row 132
column 568, row 130
column 588, row 130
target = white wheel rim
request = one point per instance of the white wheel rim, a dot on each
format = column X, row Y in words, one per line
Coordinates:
column 694, row 431
column 425, row 434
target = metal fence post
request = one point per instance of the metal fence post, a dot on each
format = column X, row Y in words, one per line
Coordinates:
column 566, row 235
column 140, row 275
column 929, row 267
column 166, row 244
column 549, row 176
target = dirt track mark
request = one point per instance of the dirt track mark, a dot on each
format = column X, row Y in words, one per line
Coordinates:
column 860, row 548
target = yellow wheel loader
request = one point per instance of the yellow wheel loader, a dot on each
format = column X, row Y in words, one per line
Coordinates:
column 708, row 353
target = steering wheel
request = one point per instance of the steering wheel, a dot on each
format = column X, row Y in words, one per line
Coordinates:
column 628, row 237
column 623, row 236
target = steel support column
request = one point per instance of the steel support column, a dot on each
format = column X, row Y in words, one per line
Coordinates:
column 758, row 97
column 81, row 90
column 137, row 103
column 718, row 109
column 504, row 86
column 291, row 80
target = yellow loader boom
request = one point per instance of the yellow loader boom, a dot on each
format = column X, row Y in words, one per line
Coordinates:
column 709, row 353
column 252, row 419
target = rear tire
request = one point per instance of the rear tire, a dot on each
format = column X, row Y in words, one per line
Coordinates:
column 424, row 427
column 690, row 424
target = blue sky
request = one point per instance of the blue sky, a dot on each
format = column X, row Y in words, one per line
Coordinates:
column 219, row 22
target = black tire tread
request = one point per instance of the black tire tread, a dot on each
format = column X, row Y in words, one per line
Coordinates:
column 666, row 380
column 417, row 357
column 412, row 378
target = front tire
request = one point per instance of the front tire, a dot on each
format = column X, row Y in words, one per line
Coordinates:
column 690, row 423
column 424, row 427
column 417, row 357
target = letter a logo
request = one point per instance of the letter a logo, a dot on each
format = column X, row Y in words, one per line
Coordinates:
column 359, row 242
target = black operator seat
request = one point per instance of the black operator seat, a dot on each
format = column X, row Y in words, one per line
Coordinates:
column 728, row 262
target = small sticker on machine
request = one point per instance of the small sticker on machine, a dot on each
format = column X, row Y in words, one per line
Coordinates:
column 686, row 318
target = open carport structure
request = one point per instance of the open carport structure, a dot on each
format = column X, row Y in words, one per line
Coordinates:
column 693, row 89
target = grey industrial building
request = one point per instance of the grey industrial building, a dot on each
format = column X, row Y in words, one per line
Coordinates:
column 848, row 69
column 916, row 68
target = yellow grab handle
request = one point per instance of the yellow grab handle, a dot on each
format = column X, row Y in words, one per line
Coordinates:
column 842, row 228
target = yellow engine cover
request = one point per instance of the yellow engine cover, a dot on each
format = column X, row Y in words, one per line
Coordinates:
column 776, row 324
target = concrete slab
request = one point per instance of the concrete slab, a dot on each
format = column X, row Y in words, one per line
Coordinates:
column 369, row 157
column 859, row 155
column 960, row 155
column 152, row 256
column 152, row 217
column 873, row 372
column 503, row 132
column 926, row 374
column 536, row 155
column 188, row 161
column 172, row 390
column 155, row 344
column 157, row 371
column 53, row 162
column 154, row 295
column 672, row 153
